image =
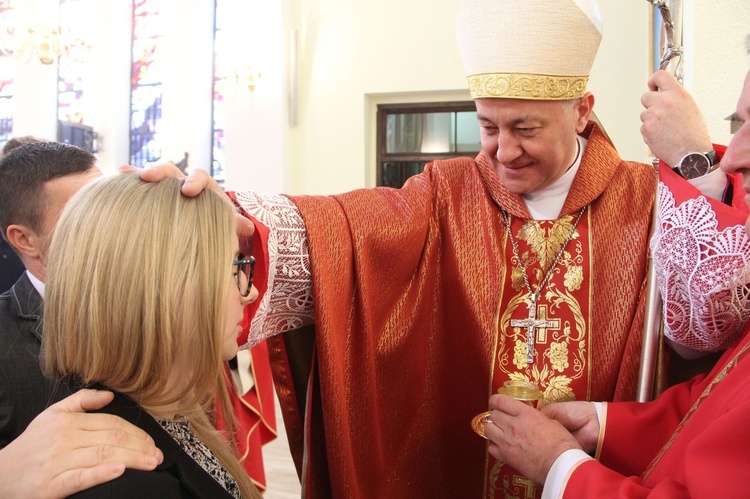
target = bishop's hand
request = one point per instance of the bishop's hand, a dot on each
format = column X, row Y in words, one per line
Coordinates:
column 525, row 438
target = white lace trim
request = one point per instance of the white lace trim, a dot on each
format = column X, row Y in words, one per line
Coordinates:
column 703, row 274
column 288, row 303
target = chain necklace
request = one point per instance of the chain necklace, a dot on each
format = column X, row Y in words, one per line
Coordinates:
column 531, row 323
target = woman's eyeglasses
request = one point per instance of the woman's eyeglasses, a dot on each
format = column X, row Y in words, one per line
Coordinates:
column 243, row 274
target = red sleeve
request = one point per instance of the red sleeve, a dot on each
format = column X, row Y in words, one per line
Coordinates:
column 738, row 193
column 711, row 456
column 259, row 249
column 714, row 465
column 650, row 425
column 682, row 190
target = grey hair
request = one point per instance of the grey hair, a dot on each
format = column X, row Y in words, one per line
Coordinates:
column 571, row 103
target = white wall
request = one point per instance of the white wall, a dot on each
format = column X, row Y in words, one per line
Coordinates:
column 354, row 54
column 187, row 81
column 107, row 93
column 619, row 75
column 256, row 120
column 717, row 61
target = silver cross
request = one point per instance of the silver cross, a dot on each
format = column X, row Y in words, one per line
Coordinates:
column 531, row 324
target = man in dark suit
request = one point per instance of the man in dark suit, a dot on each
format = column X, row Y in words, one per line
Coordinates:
column 36, row 180
column 11, row 267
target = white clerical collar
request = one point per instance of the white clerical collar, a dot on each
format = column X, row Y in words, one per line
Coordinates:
column 547, row 203
column 38, row 285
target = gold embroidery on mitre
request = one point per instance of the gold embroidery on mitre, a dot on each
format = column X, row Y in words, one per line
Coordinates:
column 527, row 86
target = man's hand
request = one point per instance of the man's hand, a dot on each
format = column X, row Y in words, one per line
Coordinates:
column 195, row 183
column 64, row 451
column 580, row 419
column 525, row 438
column 672, row 123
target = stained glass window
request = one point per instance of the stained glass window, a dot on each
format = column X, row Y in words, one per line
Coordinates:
column 7, row 67
column 146, row 82
column 71, row 72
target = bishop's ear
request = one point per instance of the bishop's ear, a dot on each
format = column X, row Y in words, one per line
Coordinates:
column 584, row 108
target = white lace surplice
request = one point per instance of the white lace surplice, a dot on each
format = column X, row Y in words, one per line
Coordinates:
column 703, row 274
column 288, row 303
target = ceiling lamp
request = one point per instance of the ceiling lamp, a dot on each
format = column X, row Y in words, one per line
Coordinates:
column 42, row 40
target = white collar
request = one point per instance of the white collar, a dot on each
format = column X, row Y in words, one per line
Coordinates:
column 38, row 285
column 547, row 203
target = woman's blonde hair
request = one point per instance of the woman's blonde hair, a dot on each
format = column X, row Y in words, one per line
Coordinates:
column 137, row 290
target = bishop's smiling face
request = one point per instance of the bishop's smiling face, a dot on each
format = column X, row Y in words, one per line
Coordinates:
column 531, row 144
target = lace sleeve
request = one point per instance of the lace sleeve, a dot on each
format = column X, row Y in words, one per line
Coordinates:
column 288, row 302
column 703, row 274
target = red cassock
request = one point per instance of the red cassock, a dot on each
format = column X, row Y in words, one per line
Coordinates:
column 692, row 441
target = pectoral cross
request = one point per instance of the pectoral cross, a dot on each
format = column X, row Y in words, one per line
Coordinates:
column 531, row 323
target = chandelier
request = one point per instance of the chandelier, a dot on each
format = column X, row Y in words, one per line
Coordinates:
column 39, row 38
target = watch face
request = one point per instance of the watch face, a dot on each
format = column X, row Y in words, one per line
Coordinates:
column 694, row 165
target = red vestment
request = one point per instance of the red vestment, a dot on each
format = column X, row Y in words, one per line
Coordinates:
column 708, row 456
column 411, row 289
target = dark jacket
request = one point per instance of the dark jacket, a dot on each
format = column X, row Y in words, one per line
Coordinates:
column 24, row 391
column 11, row 267
column 177, row 476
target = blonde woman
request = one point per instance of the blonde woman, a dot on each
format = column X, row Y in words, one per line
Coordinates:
column 144, row 294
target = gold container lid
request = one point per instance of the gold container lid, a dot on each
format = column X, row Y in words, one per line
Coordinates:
column 520, row 390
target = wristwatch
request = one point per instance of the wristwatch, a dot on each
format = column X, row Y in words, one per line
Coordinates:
column 697, row 164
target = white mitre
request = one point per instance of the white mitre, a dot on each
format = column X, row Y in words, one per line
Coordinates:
column 528, row 49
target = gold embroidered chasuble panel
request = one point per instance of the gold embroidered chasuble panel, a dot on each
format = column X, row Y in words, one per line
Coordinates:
column 561, row 365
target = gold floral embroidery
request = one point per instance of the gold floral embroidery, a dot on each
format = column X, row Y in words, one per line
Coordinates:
column 558, row 390
column 574, row 278
column 527, row 86
column 516, row 278
column 546, row 246
column 519, row 354
column 558, row 355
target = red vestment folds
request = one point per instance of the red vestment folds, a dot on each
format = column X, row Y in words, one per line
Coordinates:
column 692, row 441
column 413, row 289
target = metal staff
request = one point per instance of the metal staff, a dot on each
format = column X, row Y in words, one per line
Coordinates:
column 671, row 13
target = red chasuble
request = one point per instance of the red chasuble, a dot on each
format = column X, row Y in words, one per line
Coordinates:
column 414, row 290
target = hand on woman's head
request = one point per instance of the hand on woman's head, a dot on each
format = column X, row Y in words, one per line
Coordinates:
column 195, row 183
